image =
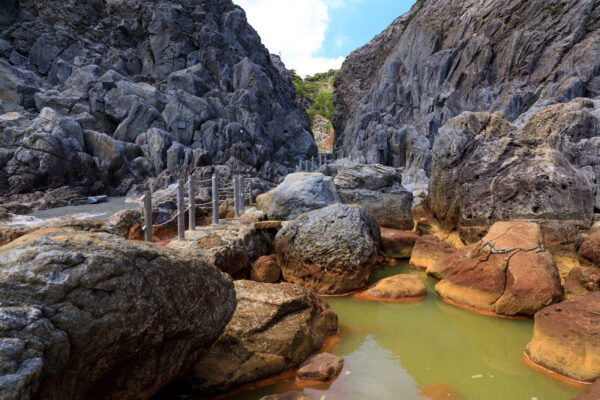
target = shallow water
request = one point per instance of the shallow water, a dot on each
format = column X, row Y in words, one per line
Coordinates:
column 426, row 350
column 98, row 212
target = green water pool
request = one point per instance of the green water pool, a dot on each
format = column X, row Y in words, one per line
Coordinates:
column 426, row 350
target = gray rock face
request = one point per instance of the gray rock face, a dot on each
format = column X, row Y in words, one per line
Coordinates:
column 92, row 316
column 445, row 57
column 194, row 70
column 331, row 250
column 297, row 194
column 379, row 191
column 542, row 167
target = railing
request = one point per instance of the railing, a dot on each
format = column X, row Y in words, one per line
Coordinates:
column 313, row 164
column 236, row 190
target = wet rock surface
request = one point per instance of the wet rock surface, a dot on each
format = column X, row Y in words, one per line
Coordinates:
column 274, row 328
column 398, row 244
column 82, row 309
column 321, row 367
column 331, row 250
column 128, row 91
column 509, row 272
column 566, row 338
column 397, row 287
column 591, row 393
column 446, row 57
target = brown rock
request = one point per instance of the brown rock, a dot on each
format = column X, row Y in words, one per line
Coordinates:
column 274, row 328
column 93, row 316
column 428, row 250
column 123, row 222
column 266, row 270
column 321, row 367
column 444, row 266
column 581, row 281
column 397, row 244
column 268, row 225
column 397, row 287
column 566, row 338
column 509, row 272
column 287, row 396
column 591, row 393
column 9, row 234
column 589, row 252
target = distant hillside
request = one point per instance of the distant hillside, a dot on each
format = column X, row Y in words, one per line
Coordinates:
column 315, row 93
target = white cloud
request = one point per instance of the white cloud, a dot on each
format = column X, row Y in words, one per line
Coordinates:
column 295, row 29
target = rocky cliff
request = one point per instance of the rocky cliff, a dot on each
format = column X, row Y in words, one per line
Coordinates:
column 445, row 57
column 98, row 96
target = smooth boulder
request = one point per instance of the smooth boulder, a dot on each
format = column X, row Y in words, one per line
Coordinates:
column 81, row 309
column 275, row 327
column 566, row 338
column 266, row 270
column 321, row 367
column 428, row 250
column 509, row 272
column 589, row 251
column 298, row 193
column 331, row 250
column 397, row 244
column 396, row 288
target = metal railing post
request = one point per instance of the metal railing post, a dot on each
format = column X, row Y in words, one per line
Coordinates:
column 192, row 203
column 215, row 200
column 250, row 194
column 148, row 217
column 242, row 194
column 180, row 210
column 236, row 197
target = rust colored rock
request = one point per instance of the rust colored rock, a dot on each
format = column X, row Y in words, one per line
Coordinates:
column 274, row 328
column 589, row 252
column 581, row 281
column 287, row 396
column 509, row 272
column 266, row 270
column 566, row 338
column 10, row 234
column 397, row 244
column 397, row 287
column 445, row 265
column 591, row 393
column 428, row 250
column 321, row 367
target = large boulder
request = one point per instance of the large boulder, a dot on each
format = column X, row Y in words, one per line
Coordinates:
column 275, row 327
column 331, row 250
column 433, row 63
column 93, row 316
column 566, row 338
column 297, row 194
column 11, row 233
column 509, row 272
column 541, row 168
column 378, row 189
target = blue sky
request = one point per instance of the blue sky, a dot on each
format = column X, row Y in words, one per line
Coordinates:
column 316, row 35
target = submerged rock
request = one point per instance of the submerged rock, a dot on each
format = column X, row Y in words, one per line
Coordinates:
column 397, row 287
column 274, row 328
column 82, row 309
column 321, row 367
column 566, row 338
column 428, row 250
column 297, row 194
column 377, row 189
column 508, row 272
column 331, row 250
column 591, row 393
